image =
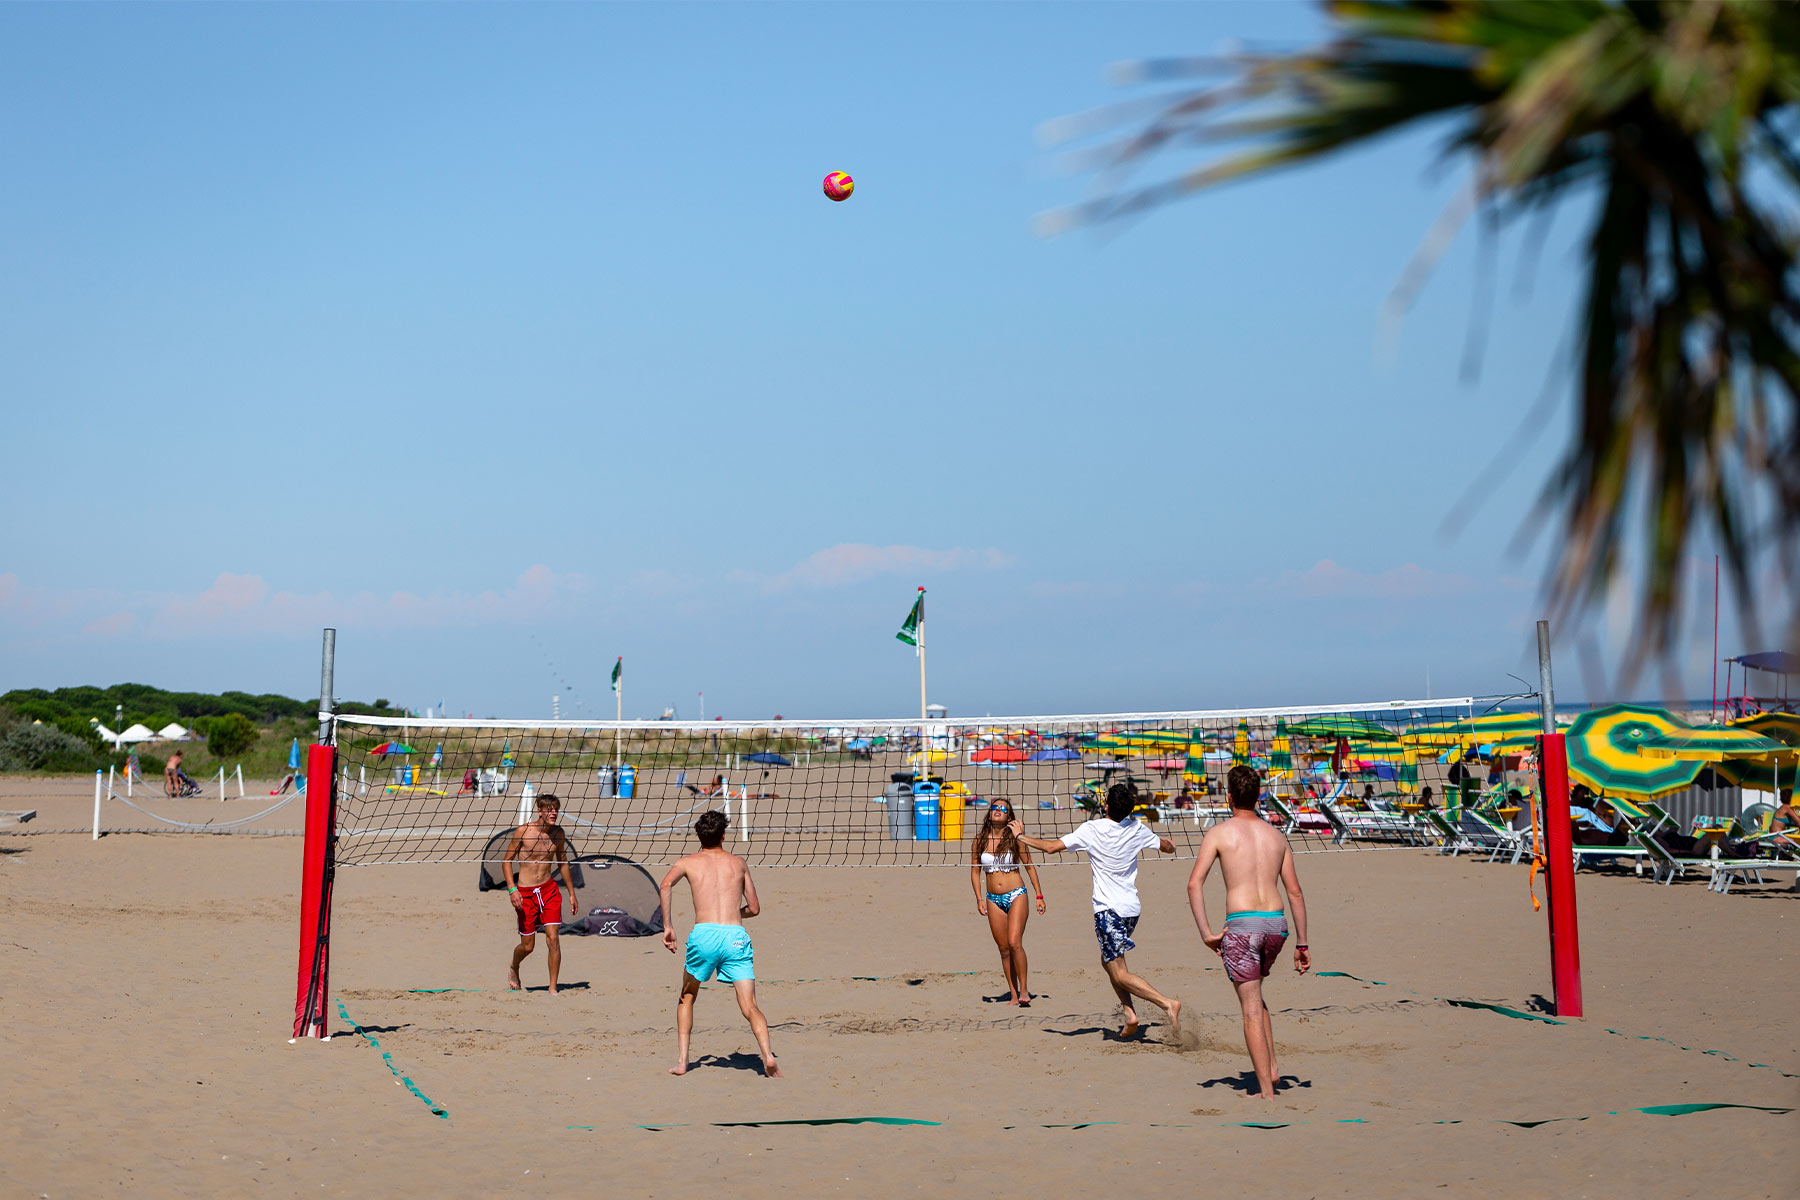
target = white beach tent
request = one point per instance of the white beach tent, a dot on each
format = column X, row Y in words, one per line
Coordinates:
column 137, row 733
column 173, row 733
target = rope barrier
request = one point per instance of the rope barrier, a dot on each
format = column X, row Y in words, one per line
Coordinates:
column 197, row 826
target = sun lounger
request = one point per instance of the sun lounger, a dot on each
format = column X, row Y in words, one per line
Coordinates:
column 1667, row 866
column 1345, row 826
column 1727, row 869
column 1454, row 841
column 1506, row 839
column 1287, row 818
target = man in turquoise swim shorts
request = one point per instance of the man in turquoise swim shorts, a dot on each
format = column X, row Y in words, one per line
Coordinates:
column 724, row 898
column 1259, row 866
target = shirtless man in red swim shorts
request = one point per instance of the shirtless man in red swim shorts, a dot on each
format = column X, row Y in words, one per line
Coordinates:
column 539, row 849
column 1258, row 866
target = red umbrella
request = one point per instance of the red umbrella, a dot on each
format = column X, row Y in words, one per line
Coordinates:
column 999, row 754
column 1166, row 765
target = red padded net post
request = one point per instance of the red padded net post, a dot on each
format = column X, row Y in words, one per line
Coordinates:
column 311, row 985
column 1559, row 873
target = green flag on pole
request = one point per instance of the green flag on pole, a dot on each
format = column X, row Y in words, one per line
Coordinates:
column 618, row 672
column 909, row 632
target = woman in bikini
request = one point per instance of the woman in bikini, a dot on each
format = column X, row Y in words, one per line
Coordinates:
column 995, row 862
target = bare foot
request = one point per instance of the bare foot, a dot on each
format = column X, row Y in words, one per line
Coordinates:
column 1131, row 1025
column 553, row 989
column 1026, row 1002
column 771, row 1069
column 1012, row 1001
column 512, row 979
column 678, row 1069
column 1175, row 1016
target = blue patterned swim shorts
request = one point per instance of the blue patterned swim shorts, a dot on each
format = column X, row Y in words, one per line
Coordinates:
column 1114, row 933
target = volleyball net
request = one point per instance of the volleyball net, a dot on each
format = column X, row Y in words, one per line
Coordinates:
column 386, row 790
column 875, row 792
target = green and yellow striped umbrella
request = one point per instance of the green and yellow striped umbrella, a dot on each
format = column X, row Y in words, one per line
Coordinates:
column 1714, row 744
column 1336, row 725
column 1603, row 752
column 1489, row 727
column 1776, row 770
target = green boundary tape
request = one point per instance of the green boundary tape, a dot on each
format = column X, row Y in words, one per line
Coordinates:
column 1654, row 1110
column 437, row 1110
column 1525, row 1016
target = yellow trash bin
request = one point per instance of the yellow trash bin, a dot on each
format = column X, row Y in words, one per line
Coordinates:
column 950, row 816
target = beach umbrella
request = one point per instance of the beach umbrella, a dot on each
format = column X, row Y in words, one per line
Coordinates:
column 858, row 744
column 1281, row 755
column 1771, row 772
column 387, row 748
column 1486, row 728
column 1603, row 752
column 1056, row 754
column 1714, row 744
column 1334, row 725
column 768, row 759
column 437, row 756
column 294, row 756
column 998, row 754
column 1163, row 766
column 1240, row 744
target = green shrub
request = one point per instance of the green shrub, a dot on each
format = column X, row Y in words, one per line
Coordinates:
column 230, row 735
column 29, row 747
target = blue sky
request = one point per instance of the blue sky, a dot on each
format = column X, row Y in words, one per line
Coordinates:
column 510, row 339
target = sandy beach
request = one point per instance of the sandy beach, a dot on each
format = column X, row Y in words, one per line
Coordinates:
column 148, row 986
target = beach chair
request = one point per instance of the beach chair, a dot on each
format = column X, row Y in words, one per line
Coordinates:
column 1659, row 817
column 1727, row 869
column 1505, row 839
column 1665, row 866
column 1345, row 826
column 1454, row 840
column 1286, row 819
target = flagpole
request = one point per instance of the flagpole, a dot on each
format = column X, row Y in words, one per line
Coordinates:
column 921, row 663
column 619, row 697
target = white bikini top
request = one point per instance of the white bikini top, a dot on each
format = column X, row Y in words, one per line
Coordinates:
column 992, row 863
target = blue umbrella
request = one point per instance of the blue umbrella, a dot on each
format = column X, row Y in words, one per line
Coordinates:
column 858, row 744
column 1060, row 754
column 294, row 756
column 763, row 756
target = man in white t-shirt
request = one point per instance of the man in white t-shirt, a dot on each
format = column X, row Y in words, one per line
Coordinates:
column 1113, row 843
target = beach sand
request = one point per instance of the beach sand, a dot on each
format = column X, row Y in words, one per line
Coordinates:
column 147, row 986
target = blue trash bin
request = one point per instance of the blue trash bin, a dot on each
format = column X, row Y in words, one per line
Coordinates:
column 627, row 781
column 926, row 797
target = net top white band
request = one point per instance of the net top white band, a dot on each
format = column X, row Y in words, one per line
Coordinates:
column 1398, row 707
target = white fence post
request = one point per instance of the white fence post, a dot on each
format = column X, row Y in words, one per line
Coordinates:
column 221, row 784
column 96, row 804
column 110, row 768
column 240, row 779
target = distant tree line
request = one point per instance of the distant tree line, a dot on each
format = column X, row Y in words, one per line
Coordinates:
column 54, row 731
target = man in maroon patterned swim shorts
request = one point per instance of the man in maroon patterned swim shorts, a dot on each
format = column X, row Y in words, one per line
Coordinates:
column 1258, row 866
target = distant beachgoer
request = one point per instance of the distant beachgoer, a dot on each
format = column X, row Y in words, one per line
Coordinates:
column 724, row 898
column 1425, row 797
column 1258, row 865
column 1786, row 818
column 1113, row 843
column 541, row 849
column 170, row 769
column 996, row 857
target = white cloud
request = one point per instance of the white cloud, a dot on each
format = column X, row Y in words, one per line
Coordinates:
column 854, row 562
column 236, row 605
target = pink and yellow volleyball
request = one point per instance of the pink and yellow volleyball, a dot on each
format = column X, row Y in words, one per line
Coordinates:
column 838, row 186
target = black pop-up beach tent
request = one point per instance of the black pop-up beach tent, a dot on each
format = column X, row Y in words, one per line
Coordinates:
column 621, row 897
